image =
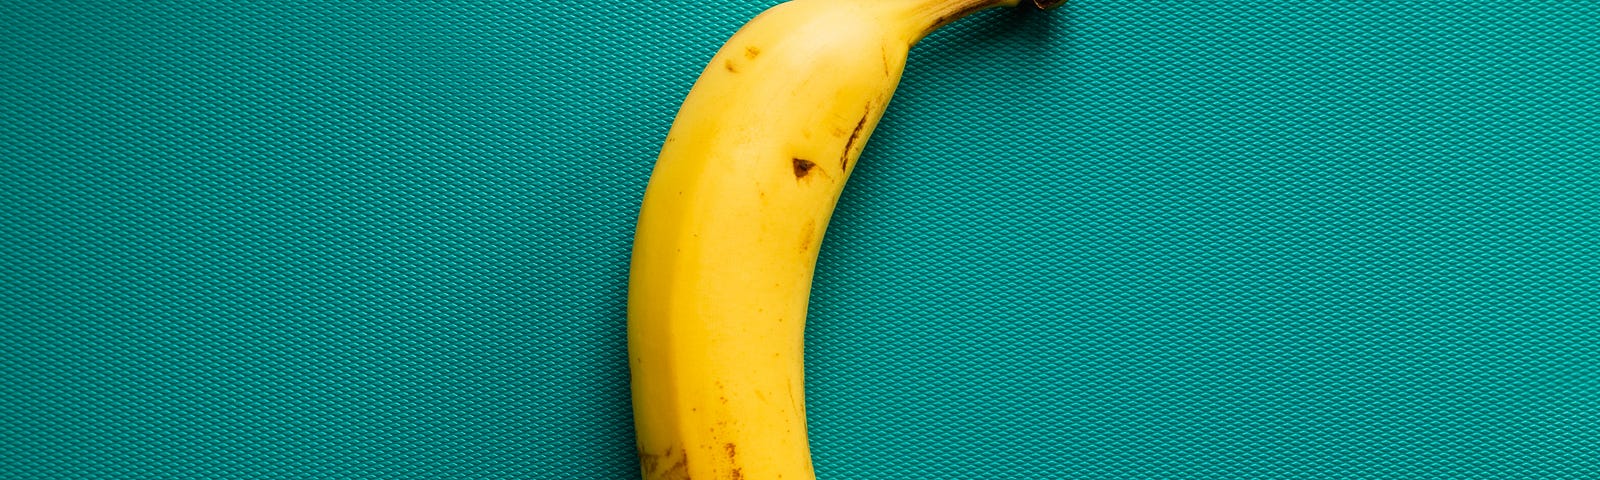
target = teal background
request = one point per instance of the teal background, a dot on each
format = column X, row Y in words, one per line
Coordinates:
column 1127, row 239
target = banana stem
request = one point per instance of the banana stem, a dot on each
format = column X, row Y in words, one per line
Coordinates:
column 941, row 12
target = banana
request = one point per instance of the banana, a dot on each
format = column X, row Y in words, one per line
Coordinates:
column 731, row 223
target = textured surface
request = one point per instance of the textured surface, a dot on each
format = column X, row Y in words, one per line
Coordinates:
column 1130, row 239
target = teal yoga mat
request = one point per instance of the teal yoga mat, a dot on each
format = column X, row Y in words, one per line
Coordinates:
column 1124, row 240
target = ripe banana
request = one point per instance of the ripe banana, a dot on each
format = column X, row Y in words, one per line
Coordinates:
column 731, row 222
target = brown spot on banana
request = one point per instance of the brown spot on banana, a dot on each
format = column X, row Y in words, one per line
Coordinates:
column 667, row 465
column 751, row 52
column 799, row 407
column 728, row 64
column 679, row 470
column 808, row 235
column 802, row 167
column 648, row 461
column 733, row 460
column 844, row 158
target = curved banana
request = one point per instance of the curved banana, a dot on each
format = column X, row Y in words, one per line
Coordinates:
column 730, row 226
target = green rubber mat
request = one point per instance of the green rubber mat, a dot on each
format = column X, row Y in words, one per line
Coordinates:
column 1202, row 239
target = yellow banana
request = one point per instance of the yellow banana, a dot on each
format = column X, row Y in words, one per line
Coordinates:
column 730, row 226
